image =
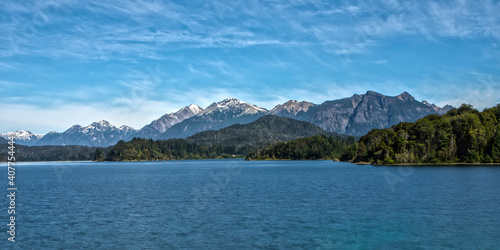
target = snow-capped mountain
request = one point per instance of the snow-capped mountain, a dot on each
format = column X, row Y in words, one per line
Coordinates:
column 234, row 107
column 160, row 125
column 97, row 134
column 216, row 116
column 23, row 137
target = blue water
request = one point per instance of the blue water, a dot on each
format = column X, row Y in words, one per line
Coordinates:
column 231, row 204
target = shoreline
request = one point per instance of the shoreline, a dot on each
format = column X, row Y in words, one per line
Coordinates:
column 432, row 164
column 356, row 163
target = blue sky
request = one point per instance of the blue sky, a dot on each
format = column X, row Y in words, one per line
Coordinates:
column 129, row 62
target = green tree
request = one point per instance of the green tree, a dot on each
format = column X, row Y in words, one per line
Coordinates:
column 98, row 155
column 461, row 135
column 495, row 149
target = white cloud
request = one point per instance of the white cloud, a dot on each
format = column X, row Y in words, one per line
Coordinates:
column 147, row 28
column 324, row 34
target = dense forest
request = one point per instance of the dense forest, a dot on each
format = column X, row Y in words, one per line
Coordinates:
column 308, row 148
column 139, row 149
column 52, row 153
column 462, row 135
column 264, row 132
column 234, row 141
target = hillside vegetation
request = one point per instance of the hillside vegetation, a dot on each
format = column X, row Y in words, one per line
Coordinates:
column 462, row 135
column 265, row 131
column 51, row 153
column 309, row 148
column 233, row 141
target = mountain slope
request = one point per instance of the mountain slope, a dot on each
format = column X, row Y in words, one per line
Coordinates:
column 266, row 130
column 160, row 125
column 23, row 137
column 440, row 111
column 361, row 113
column 301, row 111
column 216, row 116
column 97, row 134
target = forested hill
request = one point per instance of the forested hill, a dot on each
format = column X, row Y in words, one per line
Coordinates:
column 51, row 153
column 234, row 140
column 462, row 135
column 265, row 131
column 309, row 148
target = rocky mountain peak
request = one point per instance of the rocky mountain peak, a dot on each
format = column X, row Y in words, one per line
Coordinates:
column 440, row 110
column 101, row 124
column 163, row 123
column 126, row 128
column 22, row 135
column 405, row 97
column 195, row 108
column 233, row 105
column 73, row 129
column 101, row 134
column 292, row 107
column 372, row 93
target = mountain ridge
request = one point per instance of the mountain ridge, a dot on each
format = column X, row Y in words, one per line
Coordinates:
column 216, row 116
column 23, row 137
column 355, row 115
column 160, row 125
column 97, row 134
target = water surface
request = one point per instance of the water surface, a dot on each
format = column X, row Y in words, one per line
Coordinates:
column 229, row 204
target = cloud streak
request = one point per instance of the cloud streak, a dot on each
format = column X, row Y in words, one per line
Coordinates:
column 147, row 29
column 155, row 57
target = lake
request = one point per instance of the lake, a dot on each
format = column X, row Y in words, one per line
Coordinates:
column 230, row 204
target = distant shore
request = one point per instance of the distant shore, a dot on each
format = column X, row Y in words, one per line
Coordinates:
column 429, row 164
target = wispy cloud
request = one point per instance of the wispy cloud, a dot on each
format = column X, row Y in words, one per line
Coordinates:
column 147, row 28
column 59, row 54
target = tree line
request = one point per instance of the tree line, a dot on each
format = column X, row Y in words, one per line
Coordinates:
column 139, row 149
column 308, row 148
column 462, row 135
column 51, row 153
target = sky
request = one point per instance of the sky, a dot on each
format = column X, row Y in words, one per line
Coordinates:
column 129, row 62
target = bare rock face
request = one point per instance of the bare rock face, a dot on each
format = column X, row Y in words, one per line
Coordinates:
column 440, row 111
column 359, row 114
column 295, row 109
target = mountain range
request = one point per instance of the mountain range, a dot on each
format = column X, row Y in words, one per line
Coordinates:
column 23, row 137
column 97, row 134
column 355, row 115
column 162, row 124
column 216, row 116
